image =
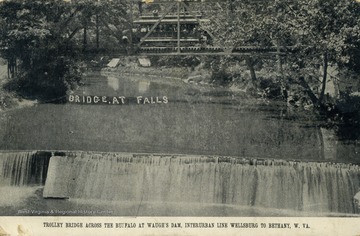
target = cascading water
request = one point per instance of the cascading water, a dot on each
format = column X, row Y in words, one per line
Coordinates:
column 21, row 175
column 301, row 186
column 23, row 168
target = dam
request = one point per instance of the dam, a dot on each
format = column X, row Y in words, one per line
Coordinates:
column 322, row 187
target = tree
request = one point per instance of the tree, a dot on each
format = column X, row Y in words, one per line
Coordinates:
column 246, row 23
column 37, row 39
column 48, row 63
column 318, row 33
column 326, row 32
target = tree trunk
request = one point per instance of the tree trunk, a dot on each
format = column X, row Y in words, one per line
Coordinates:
column 250, row 63
column 321, row 143
column 11, row 68
column 8, row 70
column 280, row 72
column 278, row 58
column 97, row 32
column 84, row 39
column 308, row 90
column 323, row 83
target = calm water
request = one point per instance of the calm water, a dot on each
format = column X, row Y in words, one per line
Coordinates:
column 189, row 123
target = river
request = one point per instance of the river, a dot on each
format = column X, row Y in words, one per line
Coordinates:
column 191, row 122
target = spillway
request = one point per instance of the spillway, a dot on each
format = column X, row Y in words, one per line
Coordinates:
column 273, row 184
column 23, row 168
column 300, row 186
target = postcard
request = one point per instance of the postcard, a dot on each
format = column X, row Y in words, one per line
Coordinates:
column 187, row 117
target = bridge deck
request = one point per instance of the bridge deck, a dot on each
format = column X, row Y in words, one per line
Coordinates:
column 198, row 50
column 170, row 21
column 163, row 39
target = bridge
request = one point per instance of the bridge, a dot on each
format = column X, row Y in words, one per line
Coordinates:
column 155, row 27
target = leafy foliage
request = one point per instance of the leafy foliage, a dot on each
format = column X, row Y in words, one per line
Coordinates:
column 317, row 33
column 30, row 36
column 37, row 35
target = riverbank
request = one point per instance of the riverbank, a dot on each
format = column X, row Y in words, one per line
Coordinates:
column 9, row 100
column 195, row 85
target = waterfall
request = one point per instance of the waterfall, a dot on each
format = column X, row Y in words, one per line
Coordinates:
column 23, row 168
column 301, row 186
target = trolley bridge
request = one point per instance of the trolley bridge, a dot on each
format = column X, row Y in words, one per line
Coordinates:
column 153, row 27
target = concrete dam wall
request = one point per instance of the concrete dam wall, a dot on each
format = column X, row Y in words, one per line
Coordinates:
column 273, row 184
column 319, row 187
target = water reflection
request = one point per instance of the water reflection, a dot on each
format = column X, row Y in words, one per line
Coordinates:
column 212, row 132
column 113, row 83
column 329, row 142
column 144, row 86
column 122, row 85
